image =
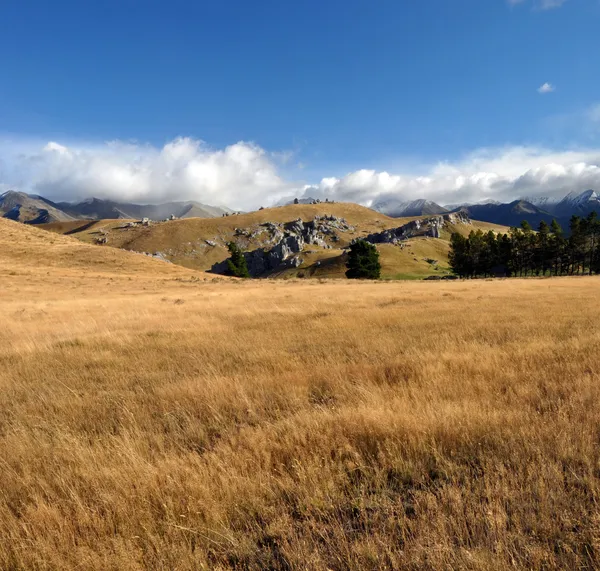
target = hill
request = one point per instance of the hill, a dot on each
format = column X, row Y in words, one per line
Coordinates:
column 27, row 249
column 30, row 209
column 98, row 209
column 34, row 209
column 313, row 248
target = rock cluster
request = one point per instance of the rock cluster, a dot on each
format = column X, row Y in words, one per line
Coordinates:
column 437, row 278
column 426, row 227
column 156, row 256
column 286, row 241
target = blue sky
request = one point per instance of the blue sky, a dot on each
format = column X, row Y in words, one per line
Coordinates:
column 315, row 89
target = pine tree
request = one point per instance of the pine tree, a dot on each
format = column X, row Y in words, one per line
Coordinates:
column 523, row 251
column 363, row 261
column 576, row 244
column 519, row 250
column 557, row 247
column 528, row 246
column 592, row 230
column 542, row 248
column 505, row 253
column 237, row 262
column 459, row 257
column 490, row 254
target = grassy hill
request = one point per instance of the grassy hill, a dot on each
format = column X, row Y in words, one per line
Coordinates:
column 198, row 243
column 28, row 249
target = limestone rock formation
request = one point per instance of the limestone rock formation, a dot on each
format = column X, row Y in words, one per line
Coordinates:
column 285, row 242
column 425, row 227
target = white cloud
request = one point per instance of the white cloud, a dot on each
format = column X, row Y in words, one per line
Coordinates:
column 540, row 4
column 549, row 4
column 500, row 174
column 546, row 88
column 246, row 176
column 593, row 113
column 184, row 169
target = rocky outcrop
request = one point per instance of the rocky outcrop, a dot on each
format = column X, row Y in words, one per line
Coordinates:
column 285, row 242
column 424, row 227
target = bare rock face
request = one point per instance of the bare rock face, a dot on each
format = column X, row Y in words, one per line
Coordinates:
column 460, row 217
column 285, row 242
column 432, row 227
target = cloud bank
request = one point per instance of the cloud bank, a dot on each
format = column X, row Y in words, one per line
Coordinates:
column 184, row 169
column 499, row 174
column 245, row 176
column 540, row 4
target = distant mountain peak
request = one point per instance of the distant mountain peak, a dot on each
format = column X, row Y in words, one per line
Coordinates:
column 585, row 196
column 14, row 194
column 400, row 209
column 578, row 203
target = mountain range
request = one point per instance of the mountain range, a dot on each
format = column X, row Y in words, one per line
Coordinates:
column 533, row 210
column 33, row 209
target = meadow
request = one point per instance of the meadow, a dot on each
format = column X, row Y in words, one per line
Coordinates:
column 155, row 418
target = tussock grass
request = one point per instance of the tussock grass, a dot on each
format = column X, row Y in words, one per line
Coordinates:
column 298, row 424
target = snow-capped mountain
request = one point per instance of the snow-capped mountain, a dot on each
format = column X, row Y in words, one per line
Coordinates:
column 399, row 209
column 465, row 204
column 533, row 210
column 578, row 203
column 547, row 203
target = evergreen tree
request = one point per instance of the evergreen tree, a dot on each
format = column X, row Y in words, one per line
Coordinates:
column 592, row 231
column 528, row 247
column 363, row 261
column 523, row 251
column 490, row 254
column 542, row 254
column 576, row 244
column 237, row 262
column 519, row 249
column 477, row 252
column 459, row 257
column 557, row 247
column 504, row 246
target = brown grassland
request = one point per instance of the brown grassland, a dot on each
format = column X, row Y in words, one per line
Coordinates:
column 152, row 418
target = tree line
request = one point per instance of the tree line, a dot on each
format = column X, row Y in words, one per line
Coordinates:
column 523, row 252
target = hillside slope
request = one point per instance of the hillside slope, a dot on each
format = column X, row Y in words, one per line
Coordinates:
column 30, row 209
column 200, row 244
column 26, row 248
column 98, row 209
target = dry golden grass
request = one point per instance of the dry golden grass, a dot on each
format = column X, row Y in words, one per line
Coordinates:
column 154, row 422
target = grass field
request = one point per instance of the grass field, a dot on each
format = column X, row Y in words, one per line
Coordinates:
column 153, row 420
